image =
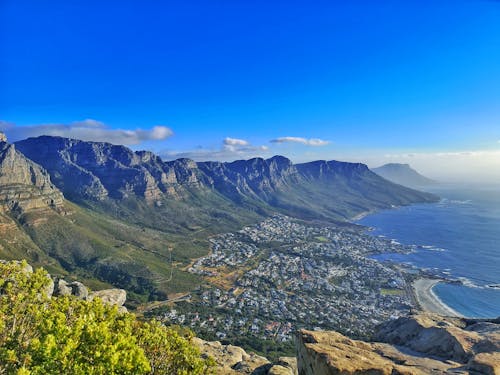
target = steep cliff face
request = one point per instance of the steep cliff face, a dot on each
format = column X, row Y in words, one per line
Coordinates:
column 421, row 344
column 255, row 178
column 24, row 185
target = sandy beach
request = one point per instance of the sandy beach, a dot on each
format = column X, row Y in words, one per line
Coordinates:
column 428, row 300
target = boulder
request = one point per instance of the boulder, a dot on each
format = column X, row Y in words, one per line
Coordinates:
column 115, row 297
column 62, row 288
column 49, row 289
column 432, row 335
column 289, row 362
column 330, row 353
column 418, row 344
column 485, row 363
column 78, row 289
column 280, row 370
column 232, row 359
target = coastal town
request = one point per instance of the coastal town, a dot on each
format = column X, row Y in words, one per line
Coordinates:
column 270, row 279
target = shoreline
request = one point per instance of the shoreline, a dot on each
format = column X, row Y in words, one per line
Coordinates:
column 429, row 301
column 361, row 216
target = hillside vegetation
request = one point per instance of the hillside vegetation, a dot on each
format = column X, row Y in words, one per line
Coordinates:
column 40, row 334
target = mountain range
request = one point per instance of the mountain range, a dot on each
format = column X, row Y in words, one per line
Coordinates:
column 113, row 216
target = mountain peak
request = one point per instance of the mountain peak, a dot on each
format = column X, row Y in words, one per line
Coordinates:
column 402, row 174
column 24, row 185
column 3, row 137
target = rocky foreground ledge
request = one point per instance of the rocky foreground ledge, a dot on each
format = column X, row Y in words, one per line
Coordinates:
column 420, row 344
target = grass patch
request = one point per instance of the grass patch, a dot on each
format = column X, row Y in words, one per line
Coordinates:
column 391, row 292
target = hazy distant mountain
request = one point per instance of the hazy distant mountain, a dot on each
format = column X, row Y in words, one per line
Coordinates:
column 403, row 174
column 131, row 213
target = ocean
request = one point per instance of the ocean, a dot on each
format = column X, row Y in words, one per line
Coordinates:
column 457, row 238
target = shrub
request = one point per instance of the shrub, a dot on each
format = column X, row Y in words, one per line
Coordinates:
column 44, row 335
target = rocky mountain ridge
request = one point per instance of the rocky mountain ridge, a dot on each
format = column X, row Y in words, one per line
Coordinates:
column 96, row 171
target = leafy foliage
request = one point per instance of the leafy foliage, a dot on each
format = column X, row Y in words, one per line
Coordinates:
column 44, row 335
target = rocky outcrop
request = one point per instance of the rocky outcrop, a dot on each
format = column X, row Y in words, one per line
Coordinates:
column 420, row 344
column 284, row 366
column 232, row 359
column 59, row 287
column 442, row 337
column 485, row 364
column 114, row 297
column 25, row 186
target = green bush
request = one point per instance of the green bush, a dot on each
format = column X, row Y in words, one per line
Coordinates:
column 43, row 335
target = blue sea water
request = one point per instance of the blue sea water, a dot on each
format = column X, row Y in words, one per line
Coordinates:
column 459, row 238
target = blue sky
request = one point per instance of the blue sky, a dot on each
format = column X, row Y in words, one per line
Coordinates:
column 410, row 81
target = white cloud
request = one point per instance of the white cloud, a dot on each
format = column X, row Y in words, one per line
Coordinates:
column 231, row 149
column 87, row 130
column 305, row 141
column 235, row 142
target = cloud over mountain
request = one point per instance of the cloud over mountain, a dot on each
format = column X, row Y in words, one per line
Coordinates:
column 305, row 141
column 231, row 149
column 87, row 130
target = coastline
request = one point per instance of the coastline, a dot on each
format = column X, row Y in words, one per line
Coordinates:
column 429, row 301
column 361, row 216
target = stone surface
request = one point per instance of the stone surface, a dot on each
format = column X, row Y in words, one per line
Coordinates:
column 62, row 288
column 24, row 185
column 433, row 335
column 115, row 297
column 233, row 359
column 280, row 370
column 328, row 352
column 78, row 289
column 289, row 362
column 419, row 344
column 485, row 363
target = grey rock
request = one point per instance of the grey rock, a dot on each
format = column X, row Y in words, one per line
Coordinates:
column 280, row 370
column 24, row 185
column 115, row 297
column 62, row 288
column 289, row 362
column 78, row 289
column 49, row 289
